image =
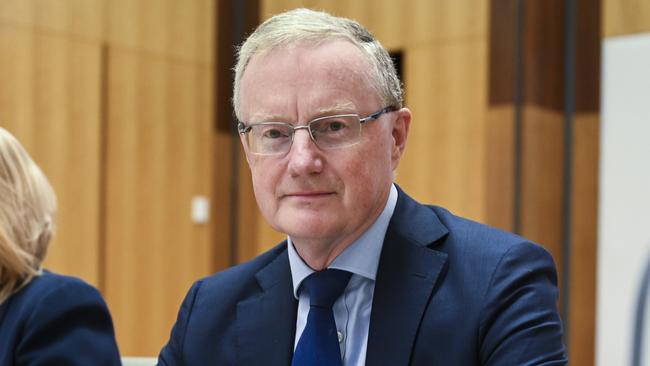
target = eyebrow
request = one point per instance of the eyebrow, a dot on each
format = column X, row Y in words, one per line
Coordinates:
column 337, row 108
column 342, row 107
column 265, row 117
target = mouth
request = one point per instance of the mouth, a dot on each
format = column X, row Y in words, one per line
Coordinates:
column 309, row 195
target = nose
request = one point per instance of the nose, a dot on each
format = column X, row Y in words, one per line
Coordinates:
column 305, row 158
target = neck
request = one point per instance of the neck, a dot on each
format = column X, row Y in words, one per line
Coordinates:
column 318, row 254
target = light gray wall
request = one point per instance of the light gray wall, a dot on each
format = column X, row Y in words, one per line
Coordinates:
column 624, row 212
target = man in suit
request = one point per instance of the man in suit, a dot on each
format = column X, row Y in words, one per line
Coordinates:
column 367, row 275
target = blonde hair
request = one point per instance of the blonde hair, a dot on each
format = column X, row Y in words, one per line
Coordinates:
column 305, row 25
column 27, row 209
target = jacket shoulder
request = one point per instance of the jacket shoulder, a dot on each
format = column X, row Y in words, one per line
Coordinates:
column 55, row 291
column 60, row 318
column 468, row 234
column 234, row 281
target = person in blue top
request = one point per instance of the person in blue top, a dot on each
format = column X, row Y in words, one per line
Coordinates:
column 367, row 275
column 45, row 318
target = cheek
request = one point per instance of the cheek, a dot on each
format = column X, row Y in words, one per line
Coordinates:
column 264, row 180
column 376, row 162
column 367, row 173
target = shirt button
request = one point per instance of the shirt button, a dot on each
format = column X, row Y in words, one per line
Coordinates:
column 340, row 335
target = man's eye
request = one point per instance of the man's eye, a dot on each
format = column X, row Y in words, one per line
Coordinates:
column 334, row 126
column 273, row 133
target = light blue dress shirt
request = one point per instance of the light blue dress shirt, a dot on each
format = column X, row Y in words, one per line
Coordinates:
column 352, row 309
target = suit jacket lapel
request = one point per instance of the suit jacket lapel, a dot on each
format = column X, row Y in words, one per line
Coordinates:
column 267, row 321
column 406, row 279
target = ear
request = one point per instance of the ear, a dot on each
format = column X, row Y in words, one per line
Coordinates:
column 400, row 134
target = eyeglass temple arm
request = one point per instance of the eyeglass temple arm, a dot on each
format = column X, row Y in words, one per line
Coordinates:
column 242, row 128
column 376, row 115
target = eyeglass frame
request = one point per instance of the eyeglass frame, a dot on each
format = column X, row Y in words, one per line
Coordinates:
column 243, row 129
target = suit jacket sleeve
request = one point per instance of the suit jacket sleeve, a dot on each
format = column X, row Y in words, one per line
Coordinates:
column 520, row 324
column 172, row 353
column 70, row 325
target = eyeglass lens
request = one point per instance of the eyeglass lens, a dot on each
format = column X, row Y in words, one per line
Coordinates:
column 328, row 132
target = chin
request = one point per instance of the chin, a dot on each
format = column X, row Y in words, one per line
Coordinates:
column 305, row 227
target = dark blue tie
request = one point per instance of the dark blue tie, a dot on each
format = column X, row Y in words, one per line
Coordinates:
column 319, row 342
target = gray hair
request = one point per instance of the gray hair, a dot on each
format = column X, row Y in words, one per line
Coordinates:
column 304, row 25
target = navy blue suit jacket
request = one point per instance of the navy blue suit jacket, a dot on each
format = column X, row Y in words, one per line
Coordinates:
column 449, row 291
column 57, row 321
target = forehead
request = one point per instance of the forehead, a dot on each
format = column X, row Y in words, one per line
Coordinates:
column 304, row 80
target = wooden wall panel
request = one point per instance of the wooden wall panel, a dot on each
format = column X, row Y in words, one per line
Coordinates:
column 71, row 18
column 444, row 161
column 160, row 155
column 622, row 17
column 584, row 253
column 50, row 99
column 500, row 162
column 162, row 150
column 178, row 29
column 444, row 21
column 249, row 216
column 542, row 178
column 17, row 12
column 219, row 160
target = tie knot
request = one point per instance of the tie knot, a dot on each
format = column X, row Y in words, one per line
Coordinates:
column 326, row 286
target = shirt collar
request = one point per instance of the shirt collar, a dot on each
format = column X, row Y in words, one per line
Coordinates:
column 361, row 257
